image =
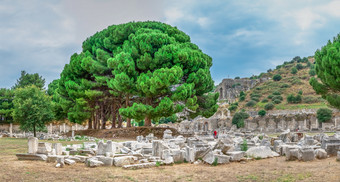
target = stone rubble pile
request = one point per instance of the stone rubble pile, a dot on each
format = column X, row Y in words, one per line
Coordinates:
column 149, row 151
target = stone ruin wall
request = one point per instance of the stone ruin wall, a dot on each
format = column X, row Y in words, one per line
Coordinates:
column 274, row 121
column 229, row 89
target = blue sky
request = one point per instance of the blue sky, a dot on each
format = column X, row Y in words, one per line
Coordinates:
column 243, row 37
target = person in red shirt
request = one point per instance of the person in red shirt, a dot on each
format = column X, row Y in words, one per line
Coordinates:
column 215, row 134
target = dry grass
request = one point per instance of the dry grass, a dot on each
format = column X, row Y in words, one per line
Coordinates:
column 274, row 169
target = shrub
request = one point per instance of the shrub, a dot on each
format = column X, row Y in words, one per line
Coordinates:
column 277, row 77
column 294, row 70
column 270, row 70
column 299, row 66
column 276, row 93
column 276, row 101
column 238, row 118
column 277, row 97
column 236, row 84
column 264, row 101
column 262, row 112
column 312, row 72
column 242, row 94
column 237, row 77
column 270, row 96
column 232, row 108
column 251, row 103
column 256, row 99
column 242, row 98
column 311, row 99
column 285, row 85
column 324, row 114
column 309, row 64
column 215, row 162
column 278, row 66
column 269, row 106
column 300, row 92
column 294, row 99
column 304, row 60
column 297, row 59
column 244, row 145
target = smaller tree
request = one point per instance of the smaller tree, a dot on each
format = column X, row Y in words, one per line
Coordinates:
column 294, row 70
column 277, row 77
column 312, row 72
column 262, row 113
column 238, row 119
column 32, row 109
column 324, row 114
column 269, row 106
column 299, row 66
column 27, row 79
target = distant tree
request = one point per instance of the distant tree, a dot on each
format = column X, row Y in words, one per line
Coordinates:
column 238, row 119
column 304, row 60
column 299, row 66
column 312, row 72
column 237, row 77
column 6, row 104
column 328, row 70
column 32, row 108
column 269, row 106
column 251, row 103
column 324, row 114
column 297, row 59
column 294, row 99
column 277, row 77
column 27, row 79
column 294, row 70
column 270, row 70
column 262, row 112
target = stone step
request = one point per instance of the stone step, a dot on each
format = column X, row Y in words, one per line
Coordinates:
column 140, row 166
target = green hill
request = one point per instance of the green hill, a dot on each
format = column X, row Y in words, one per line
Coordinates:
column 292, row 91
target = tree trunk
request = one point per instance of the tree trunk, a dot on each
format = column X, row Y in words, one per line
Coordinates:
column 147, row 121
column 35, row 133
column 120, row 121
column 90, row 123
column 128, row 120
column 103, row 117
column 95, row 120
column 113, row 117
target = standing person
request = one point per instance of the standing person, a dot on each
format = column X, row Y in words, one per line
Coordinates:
column 215, row 134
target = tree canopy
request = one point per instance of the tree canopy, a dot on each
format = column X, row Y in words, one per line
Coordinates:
column 327, row 68
column 27, row 79
column 32, row 108
column 137, row 70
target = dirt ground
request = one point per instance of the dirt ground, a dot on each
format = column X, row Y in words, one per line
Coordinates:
column 274, row 169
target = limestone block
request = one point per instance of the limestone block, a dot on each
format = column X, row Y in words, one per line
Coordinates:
column 125, row 160
column 32, row 145
column 101, row 148
column 38, row 157
column 260, row 152
column 93, row 163
column 236, row 155
column 292, row 153
column 44, row 148
column 338, row 156
column 190, row 154
column 107, row 161
column 60, row 162
column 140, row 166
column 58, row 148
column 70, row 161
column 51, row 159
column 222, row 159
column 306, row 154
column 157, row 148
column 320, row 153
column 167, row 134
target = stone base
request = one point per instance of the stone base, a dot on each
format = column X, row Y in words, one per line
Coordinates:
column 140, row 166
column 36, row 157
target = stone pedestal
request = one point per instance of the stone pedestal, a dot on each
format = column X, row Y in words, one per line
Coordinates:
column 32, row 145
column 58, row 148
column 10, row 130
column 64, row 127
column 51, row 128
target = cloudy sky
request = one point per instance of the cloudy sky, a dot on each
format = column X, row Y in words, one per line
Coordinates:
column 243, row 37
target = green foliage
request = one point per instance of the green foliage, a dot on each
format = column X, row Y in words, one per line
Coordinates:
column 294, row 70
column 242, row 96
column 235, row 85
column 277, row 77
column 170, row 119
column 270, row 96
column 324, row 114
column 277, row 97
column 6, row 104
column 300, row 92
column 312, row 72
column 311, row 99
column 32, row 108
column 215, row 162
column 244, row 145
column 233, row 106
column 239, row 117
column 296, row 59
column 299, row 66
column 294, row 99
column 264, row 100
column 276, row 93
column 269, row 106
column 276, row 101
column 237, row 77
column 27, row 79
column 328, row 70
column 251, row 103
column 262, row 112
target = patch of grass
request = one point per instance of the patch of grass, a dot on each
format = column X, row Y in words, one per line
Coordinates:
column 130, row 178
column 215, row 162
column 249, row 177
column 284, row 106
column 158, row 164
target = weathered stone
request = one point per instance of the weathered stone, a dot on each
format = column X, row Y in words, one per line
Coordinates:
column 38, row 157
column 58, row 148
column 190, row 154
column 44, row 148
column 236, row 155
column 70, row 162
column 74, row 158
column 167, row 134
column 177, row 155
column 292, row 153
column 108, row 161
column 60, row 161
column 51, row 159
column 32, row 145
column 101, row 148
column 277, row 147
column 168, row 159
column 209, row 158
column 260, row 152
column 93, row 163
column 140, row 166
column 320, row 153
column 157, row 148
column 125, row 160
column 306, row 154
column 222, row 159
column 146, row 151
column 338, row 156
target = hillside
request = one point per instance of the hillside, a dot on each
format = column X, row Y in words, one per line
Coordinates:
column 293, row 85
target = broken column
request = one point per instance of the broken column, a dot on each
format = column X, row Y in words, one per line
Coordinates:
column 10, row 129
column 157, row 148
column 64, row 127
column 58, row 148
column 32, row 145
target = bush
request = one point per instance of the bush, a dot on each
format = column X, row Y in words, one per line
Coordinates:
column 270, row 70
column 251, row 103
column 297, row 59
column 215, row 162
column 277, row 97
column 278, row 66
column 285, row 85
column 324, row 114
column 309, row 64
column 277, row 77
column 232, row 108
column 264, row 101
column 300, row 92
column 238, row 119
column 276, row 101
column 237, row 77
column 299, row 66
column 269, row 106
column 294, row 70
column 312, row 72
column 236, row 84
column 304, row 60
column 242, row 94
column 244, row 145
column 270, row 96
column 256, row 99
column 242, row 98
column 311, row 99
column 262, row 112
column 276, row 93
column 294, row 99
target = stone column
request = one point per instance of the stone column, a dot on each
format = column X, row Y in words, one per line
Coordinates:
column 335, row 123
column 305, row 125
column 64, row 127
column 32, row 145
column 76, row 126
column 317, row 123
column 51, row 128
column 10, row 129
column 60, row 129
